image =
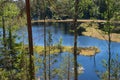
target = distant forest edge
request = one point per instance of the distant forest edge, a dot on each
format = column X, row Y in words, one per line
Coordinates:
column 64, row 9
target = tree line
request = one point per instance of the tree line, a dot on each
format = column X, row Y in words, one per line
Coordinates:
column 64, row 9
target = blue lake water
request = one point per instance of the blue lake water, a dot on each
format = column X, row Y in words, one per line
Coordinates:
column 83, row 41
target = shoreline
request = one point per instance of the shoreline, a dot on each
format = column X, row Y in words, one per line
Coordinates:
column 96, row 33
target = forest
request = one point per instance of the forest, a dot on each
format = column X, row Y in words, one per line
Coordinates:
column 59, row 39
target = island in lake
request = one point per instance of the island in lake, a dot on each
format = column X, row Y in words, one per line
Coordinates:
column 85, row 51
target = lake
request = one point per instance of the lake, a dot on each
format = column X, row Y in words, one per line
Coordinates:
column 68, row 40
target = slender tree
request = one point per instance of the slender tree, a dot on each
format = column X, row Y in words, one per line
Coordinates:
column 109, row 39
column 75, row 39
column 31, row 54
column 68, row 67
column 4, row 32
column 45, row 72
column 2, row 3
column 49, row 45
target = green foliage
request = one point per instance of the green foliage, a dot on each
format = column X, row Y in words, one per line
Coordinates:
column 64, row 9
column 13, row 56
column 59, row 44
column 62, row 70
column 14, row 64
column 107, row 28
column 50, row 41
column 113, row 8
column 115, row 69
column 3, row 74
column 40, row 8
column 88, row 9
column 10, row 10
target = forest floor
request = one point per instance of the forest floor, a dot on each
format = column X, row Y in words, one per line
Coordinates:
column 85, row 51
column 92, row 32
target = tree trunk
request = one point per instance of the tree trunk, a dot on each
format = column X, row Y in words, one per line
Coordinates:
column 45, row 76
column 109, row 40
column 10, row 54
column 4, row 33
column 68, row 67
column 45, row 72
column 94, row 60
column 31, row 54
column 49, row 63
column 109, row 56
column 75, row 40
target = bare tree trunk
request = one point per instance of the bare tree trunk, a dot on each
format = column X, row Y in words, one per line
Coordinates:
column 31, row 54
column 49, row 55
column 109, row 40
column 68, row 67
column 94, row 60
column 4, row 32
column 45, row 74
column 49, row 64
column 75, row 40
column 49, row 44
column 10, row 54
column 109, row 56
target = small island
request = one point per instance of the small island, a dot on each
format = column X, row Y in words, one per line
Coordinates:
column 85, row 51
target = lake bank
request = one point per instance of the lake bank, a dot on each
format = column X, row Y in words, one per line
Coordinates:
column 71, row 20
column 96, row 33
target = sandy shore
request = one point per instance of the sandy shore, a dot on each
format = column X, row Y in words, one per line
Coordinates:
column 92, row 32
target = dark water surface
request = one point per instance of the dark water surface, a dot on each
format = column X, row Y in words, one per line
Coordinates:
column 88, row 63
